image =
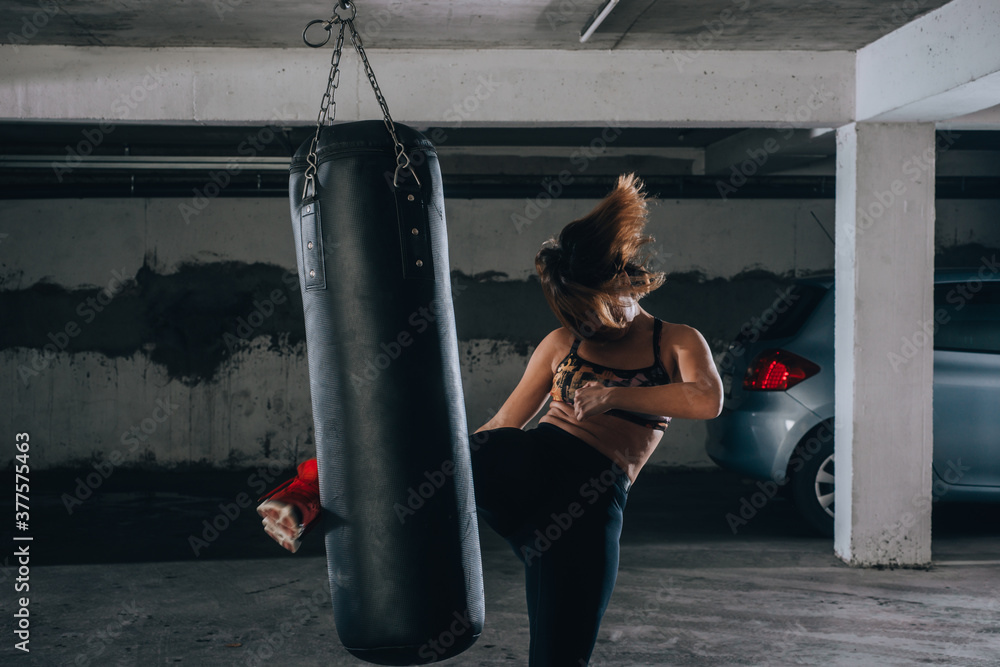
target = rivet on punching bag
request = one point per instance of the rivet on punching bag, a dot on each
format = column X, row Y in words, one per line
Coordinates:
column 392, row 444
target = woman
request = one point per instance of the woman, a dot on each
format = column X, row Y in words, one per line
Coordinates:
column 616, row 376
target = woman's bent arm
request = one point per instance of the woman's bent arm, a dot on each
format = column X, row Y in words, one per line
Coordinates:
column 532, row 391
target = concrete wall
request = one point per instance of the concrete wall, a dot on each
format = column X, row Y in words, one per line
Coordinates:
column 173, row 342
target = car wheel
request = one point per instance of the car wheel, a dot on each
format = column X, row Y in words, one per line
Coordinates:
column 811, row 486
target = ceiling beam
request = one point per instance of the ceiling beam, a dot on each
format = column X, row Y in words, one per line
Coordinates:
column 942, row 65
column 986, row 119
column 447, row 88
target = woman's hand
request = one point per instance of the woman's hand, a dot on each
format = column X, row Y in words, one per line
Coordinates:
column 592, row 398
column 283, row 522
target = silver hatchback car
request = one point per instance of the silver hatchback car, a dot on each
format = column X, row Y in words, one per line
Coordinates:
column 777, row 419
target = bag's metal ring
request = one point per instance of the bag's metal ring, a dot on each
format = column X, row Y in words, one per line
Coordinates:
column 344, row 4
column 328, row 25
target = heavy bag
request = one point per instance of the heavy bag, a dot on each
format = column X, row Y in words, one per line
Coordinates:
column 392, row 443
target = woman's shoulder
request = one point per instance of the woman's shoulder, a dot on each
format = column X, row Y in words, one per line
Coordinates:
column 558, row 339
column 677, row 334
column 676, row 339
column 556, row 345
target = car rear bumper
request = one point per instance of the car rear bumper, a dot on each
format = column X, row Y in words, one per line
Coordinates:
column 757, row 440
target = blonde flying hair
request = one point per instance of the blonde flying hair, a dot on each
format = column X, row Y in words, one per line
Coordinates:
column 596, row 263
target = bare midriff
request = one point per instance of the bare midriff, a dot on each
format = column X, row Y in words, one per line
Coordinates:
column 627, row 444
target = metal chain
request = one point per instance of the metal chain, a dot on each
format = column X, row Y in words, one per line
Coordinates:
column 327, row 106
column 402, row 159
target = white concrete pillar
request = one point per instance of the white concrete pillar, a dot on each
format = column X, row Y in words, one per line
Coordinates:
column 884, row 296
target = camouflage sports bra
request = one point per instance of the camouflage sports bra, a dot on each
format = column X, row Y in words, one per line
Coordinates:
column 574, row 371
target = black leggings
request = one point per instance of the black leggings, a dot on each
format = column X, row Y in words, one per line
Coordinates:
column 558, row 502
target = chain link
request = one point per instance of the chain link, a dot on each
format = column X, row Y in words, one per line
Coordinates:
column 328, row 105
column 327, row 109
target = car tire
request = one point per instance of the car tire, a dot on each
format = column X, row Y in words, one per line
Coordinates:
column 811, row 485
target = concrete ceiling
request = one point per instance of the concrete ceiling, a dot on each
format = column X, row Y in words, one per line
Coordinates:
column 813, row 25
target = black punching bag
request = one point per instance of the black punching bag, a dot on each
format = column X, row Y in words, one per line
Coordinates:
column 392, row 444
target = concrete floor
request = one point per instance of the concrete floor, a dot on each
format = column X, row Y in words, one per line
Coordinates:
column 116, row 583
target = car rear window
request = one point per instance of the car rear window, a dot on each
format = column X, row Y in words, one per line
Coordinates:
column 804, row 298
column 968, row 316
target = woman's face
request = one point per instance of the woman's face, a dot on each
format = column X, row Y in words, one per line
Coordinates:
column 631, row 308
column 607, row 334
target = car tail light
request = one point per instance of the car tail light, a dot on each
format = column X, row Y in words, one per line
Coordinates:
column 778, row 370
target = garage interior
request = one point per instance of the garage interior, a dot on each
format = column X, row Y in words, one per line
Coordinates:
column 144, row 223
